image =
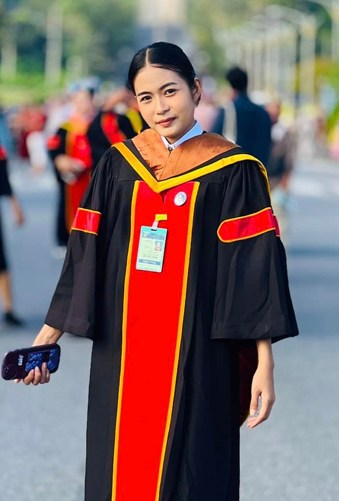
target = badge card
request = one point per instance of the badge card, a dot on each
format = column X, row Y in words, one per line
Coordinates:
column 151, row 249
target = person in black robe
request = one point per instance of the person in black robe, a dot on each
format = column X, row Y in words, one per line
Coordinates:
column 107, row 128
column 176, row 270
column 110, row 126
column 10, row 317
column 71, row 157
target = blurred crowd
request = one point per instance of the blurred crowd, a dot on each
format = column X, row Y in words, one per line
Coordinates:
column 69, row 133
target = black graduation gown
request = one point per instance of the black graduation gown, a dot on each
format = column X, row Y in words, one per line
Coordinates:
column 71, row 140
column 5, row 187
column 57, row 145
column 5, row 190
column 108, row 128
column 163, row 416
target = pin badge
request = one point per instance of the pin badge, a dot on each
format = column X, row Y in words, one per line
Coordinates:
column 180, row 198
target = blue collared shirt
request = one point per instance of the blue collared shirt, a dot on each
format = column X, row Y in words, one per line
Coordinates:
column 195, row 131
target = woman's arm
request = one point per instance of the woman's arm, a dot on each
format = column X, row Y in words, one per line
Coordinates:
column 47, row 335
column 17, row 211
column 263, row 396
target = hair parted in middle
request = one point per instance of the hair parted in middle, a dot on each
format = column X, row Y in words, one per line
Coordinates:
column 164, row 55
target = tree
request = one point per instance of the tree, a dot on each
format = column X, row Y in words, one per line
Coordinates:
column 97, row 31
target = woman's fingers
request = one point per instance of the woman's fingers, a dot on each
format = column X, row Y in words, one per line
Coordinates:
column 262, row 413
column 38, row 376
column 29, row 378
column 255, row 403
column 45, row 374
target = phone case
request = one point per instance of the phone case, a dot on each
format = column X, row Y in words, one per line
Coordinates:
column 17, row 364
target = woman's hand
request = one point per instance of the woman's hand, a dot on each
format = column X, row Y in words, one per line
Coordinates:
column 263, row 396
column 17, row 211
column 47, row 335
column 37, row 376
column 69, row 165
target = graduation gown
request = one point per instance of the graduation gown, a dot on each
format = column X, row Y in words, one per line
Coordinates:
column 71, row 140
column 108, row 128
column 5, row 190
column 5, row 187
column 163, row 415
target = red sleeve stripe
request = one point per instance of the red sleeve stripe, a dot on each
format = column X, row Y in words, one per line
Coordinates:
column 241, row 228
column 53, row 142
column 87, row 221
column 3, row 155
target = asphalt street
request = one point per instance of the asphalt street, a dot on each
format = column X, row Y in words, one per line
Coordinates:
column 292, row 457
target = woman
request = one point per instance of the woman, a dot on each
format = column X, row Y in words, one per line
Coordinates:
column 110, row 127
column 168, row 325
column 10, row 318
column 70, row 152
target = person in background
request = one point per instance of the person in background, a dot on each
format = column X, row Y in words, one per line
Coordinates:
column 70, row 152
column 117, row 120
column 207, row 110
column 6, row 137
column 10, row 318
column 168, row 323
column 243, row 121
column 123, row 101
column 283, row 150
column 28, row 119
column 280, row 164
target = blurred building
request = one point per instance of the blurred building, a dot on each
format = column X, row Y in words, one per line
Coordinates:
column 161, row 20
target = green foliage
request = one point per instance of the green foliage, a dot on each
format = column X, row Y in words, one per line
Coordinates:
column 98, row 30
column 93, row 33
column 208, row 19
column 26, row 88
column 98, row 36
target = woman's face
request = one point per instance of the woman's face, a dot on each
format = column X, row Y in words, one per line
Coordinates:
column 83, row 103
column 165, row 101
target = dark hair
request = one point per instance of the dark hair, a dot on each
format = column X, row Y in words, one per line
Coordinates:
column 237, row 78
column 164, row 55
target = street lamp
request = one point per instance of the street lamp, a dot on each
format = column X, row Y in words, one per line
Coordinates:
column 268, row 49
column 245, row 45
column 332, row 7
column 306, row 25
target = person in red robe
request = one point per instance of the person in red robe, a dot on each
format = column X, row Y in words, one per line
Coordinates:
column 70, row 152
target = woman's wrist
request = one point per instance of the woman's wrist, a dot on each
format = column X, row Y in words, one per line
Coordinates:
column 47, row 335
column 265, row 354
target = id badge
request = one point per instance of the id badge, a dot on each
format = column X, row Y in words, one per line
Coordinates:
column 151, row 249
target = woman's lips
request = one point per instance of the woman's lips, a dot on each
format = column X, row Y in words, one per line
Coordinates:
column 167, row 122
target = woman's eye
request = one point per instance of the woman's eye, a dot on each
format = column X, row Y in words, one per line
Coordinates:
column 144, row 99
column 170, row 92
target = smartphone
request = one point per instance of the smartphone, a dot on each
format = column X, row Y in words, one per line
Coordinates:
column 17, row 364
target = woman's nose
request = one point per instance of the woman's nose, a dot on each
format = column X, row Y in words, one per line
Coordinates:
column 161, row 106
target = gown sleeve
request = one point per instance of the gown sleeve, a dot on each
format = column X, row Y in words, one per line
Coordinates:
column 73, row 304
column 252, row 293
column 5, row 186
column 56, row 144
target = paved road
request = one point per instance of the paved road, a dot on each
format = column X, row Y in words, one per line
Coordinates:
column 293, row 457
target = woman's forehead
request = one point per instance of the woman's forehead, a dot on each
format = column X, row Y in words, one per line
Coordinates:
column 154, row 77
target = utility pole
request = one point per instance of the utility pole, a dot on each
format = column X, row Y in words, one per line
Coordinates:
column 161, row 21
column 332, row 7
column 9, row 54
column 54, row 38
column 335, row 30
column 307, row 29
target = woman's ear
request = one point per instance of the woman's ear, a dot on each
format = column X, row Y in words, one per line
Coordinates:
column 196, row 93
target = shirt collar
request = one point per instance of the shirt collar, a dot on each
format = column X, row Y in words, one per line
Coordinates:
column 195, row 131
